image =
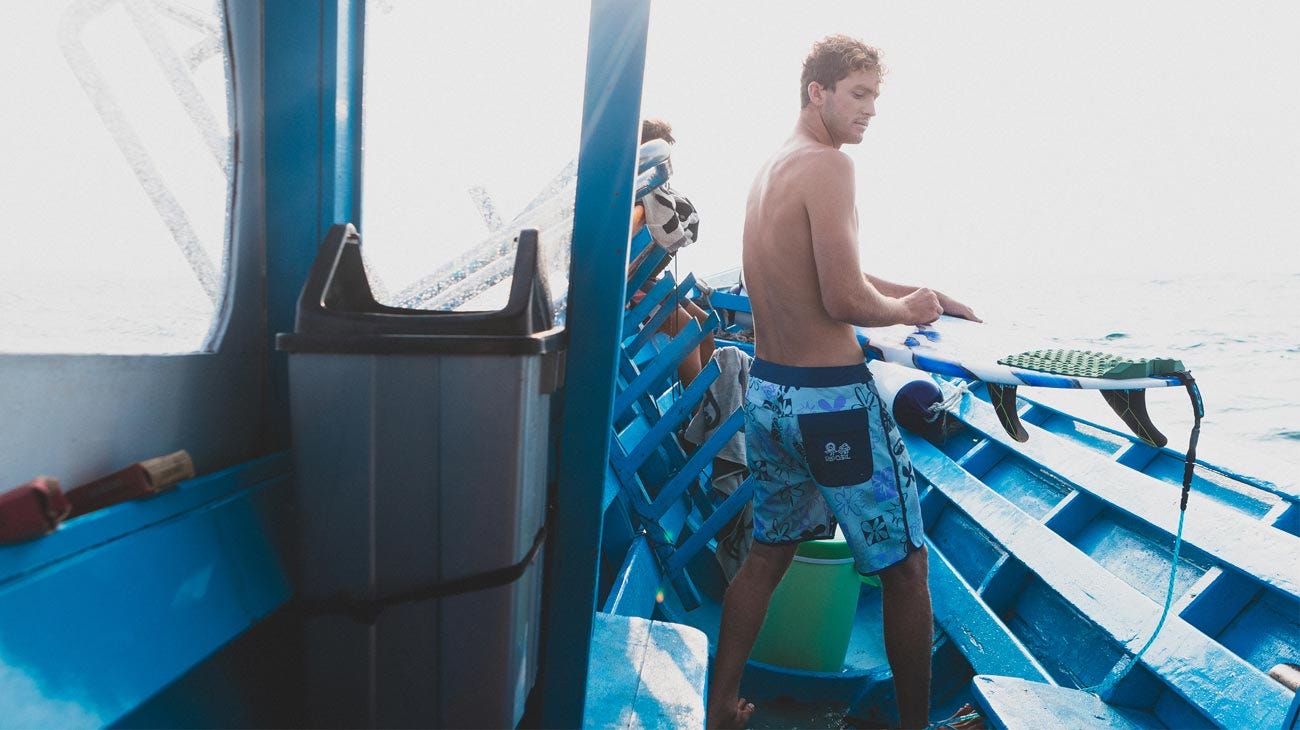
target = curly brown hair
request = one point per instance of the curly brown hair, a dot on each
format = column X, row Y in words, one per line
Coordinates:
column 656, row 129
column 833, row 58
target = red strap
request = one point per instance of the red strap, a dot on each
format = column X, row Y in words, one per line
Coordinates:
column 32, row 510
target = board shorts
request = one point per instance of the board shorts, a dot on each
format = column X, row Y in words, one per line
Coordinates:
column 823, row 450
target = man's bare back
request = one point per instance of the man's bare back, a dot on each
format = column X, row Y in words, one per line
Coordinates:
column 801, row 264
column 792, row 324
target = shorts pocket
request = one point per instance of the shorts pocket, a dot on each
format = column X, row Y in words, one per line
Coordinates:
column 838, row 446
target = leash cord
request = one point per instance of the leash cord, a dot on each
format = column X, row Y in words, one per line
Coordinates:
column 1122, row 669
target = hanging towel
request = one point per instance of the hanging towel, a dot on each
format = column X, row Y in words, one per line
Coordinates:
column 725, row 396
column 671, row 218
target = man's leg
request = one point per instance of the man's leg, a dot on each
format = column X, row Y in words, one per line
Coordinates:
column 691, row 365
column 909, row 630
column 701, row 316
column 743, row 611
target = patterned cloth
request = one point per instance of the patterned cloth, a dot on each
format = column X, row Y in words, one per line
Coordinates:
column 724, row 397
column 671, row 218
column 823, row 449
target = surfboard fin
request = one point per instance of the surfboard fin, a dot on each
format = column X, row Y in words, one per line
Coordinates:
column 1131, row 407
column 1003, row 398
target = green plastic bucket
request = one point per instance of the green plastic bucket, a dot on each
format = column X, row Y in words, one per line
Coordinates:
column 811, row 615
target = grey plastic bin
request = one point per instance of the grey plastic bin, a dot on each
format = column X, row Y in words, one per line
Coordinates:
column 420, row 441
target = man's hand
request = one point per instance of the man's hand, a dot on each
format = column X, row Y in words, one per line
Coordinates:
column 921, row 307
column 955, row 308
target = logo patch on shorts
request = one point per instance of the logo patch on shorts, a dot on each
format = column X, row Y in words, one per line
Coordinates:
column 840, row 453
column 844, row 456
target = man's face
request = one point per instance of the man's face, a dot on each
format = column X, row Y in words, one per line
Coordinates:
column 848, row 109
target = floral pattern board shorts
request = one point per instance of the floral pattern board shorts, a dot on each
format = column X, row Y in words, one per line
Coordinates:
column 823, row 449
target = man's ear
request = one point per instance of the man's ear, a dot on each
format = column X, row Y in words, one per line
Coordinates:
column 815, row 92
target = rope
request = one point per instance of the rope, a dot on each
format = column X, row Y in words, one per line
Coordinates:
column 937, row 409
column 1122, row 669
column 941, row 410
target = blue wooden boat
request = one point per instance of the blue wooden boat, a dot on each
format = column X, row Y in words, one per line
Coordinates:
column 1050, row 561
column 324, row 570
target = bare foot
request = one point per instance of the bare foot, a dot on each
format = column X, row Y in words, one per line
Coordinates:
column 733, row 718
column 963, row 720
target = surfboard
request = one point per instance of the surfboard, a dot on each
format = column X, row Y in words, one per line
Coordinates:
column 1005, row 359
column 1002, row 360
column 975, row 351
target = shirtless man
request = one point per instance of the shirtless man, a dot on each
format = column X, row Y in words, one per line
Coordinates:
column 820, row 446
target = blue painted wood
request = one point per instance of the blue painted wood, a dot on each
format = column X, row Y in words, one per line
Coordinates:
column 664, row 310
column 654, row 438
column 1226, row 689
column 1026, row 485
column 709, row 528
column 1138, row 556
column 648, row 265
column 1267, row 474
column 653, row 674
column 667, row 306
column 1230, row 537
column 687, row 340
column 189, row 571
column 725, row 300
column 981, row 636
column 294, row 85
column 638, row 244
column 601, row 233
column 1292, row 719
column 968, row 548
column 642, row 309
column 638, row 582
column 107, row 525
column 1265, row 633
column 341, row 73
column 1221, row 488
column 1221, row 596
column 981, row 457
column 1072, row 514
column 1016, row 704
column 701, row 459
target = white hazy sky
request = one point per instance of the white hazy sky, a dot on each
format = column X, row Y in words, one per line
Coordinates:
column 1158, row 137
column 1154, row 138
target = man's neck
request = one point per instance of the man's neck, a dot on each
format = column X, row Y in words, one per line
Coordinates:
column 811, row 127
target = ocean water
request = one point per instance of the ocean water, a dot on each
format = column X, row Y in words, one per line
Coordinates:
column 1237, row 333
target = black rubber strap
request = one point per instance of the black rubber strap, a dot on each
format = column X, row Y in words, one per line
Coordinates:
column 367, row 611
column 1198, row 410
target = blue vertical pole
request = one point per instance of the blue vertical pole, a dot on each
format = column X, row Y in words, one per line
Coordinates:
column 292, row 100
column 341, row 48
column 312, row 100
column 601, row 231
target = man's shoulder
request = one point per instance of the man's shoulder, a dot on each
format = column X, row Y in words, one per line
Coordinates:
column 820, row 161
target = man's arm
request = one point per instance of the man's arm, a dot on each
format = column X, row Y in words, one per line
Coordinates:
column 950, row 306
column 827, row 184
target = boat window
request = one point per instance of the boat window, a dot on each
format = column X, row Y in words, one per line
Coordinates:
column 471, row 124
column 117, row 175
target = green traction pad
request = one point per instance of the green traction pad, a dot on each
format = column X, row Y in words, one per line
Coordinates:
column 1089, row 364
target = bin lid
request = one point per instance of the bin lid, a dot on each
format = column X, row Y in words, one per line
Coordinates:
column 337, row 311
column 835, row 548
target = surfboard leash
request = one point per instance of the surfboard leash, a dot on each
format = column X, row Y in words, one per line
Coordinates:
column 1121, row 670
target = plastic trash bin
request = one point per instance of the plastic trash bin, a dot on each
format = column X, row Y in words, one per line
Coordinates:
column 420, row 442
column 811, row 614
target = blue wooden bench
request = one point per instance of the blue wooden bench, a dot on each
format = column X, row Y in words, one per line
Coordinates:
column 117, row 605
column 1184, row 659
